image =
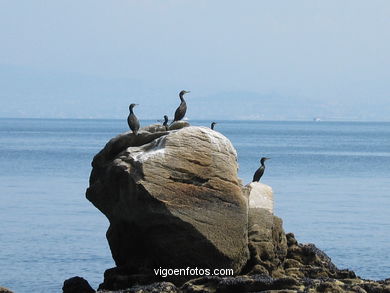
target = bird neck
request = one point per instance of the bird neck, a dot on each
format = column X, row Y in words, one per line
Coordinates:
column 131, row 110
column 262, row 163
column 181, row 97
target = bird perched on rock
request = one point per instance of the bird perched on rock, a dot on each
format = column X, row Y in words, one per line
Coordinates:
column 165, row 122
column 212, row 125
column 182, row 109
column 132, row 120
column 260, row 171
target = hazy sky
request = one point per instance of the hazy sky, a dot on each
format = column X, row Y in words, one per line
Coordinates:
column 240, row 59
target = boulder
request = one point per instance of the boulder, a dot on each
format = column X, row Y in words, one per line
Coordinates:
column 77, row 285
column 173, row 200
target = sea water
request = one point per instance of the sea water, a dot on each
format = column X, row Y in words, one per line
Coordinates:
column 331, row 182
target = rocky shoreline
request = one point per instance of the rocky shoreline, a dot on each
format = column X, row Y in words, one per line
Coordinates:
column 174, row 200
column 305, row 268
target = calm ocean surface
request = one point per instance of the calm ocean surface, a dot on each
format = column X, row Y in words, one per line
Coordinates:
column 331, row 182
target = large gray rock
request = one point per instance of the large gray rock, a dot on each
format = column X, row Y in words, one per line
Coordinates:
column 173, row 200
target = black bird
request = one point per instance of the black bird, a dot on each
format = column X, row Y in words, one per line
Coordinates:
column 181, row 110
column 132, row 120
column 165, row 122
column 260, row 171
column 212, row 125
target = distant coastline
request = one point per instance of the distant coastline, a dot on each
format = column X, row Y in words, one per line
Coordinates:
column 198, row 120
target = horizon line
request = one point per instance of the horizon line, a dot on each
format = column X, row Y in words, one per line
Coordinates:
column 208, row 120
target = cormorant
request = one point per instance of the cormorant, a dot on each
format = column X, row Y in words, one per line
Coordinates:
column 260, row 171
column 181, row 110
column 165, row 122
column 132, row 120
column 212, row 125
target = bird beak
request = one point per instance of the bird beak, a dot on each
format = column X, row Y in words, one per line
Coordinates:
column 267, row 158
column 136, row 104
column 188, row 92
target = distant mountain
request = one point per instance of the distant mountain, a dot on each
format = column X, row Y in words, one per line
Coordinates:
column 27, row 92
column 31, row 93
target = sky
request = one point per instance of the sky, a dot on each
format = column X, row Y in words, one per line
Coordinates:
column 260, row 60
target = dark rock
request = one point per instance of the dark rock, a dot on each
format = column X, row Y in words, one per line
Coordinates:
column 330, row 287
column 122, row 278
column 162, row 287
column 291, row 239
column 306, row 260
column 345, row 274
column 265, row 283
column 154, row 128
column 178, row 125
column 267, row 243
column 253, row 283
column 77, row 285
column 358, row 289
column 375, row 287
